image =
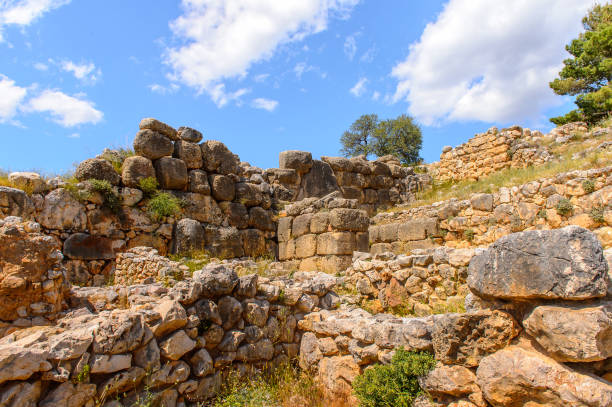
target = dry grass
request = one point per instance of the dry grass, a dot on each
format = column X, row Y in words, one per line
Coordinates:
column 444, row 190
column 285, row 386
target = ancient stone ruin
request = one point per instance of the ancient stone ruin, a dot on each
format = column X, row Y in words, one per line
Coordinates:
column 509, row 290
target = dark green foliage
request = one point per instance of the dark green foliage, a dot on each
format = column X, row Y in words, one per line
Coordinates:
column 111, row 200
column 597, row 214
column 148, row 186
column 588, row 186
column 164, row 204
column 395, row 384
column 368, row 135
column 587, row 73
column 564, row 207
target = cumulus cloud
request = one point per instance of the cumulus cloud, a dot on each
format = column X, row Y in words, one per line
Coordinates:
column 84, row 71
column 350, row 47
column 24, row 12
column 359, row 87
column 265, row 104
column 65, row 110
column 164, row 90
column 12, row 95
column 488, row 60
column 222, row 39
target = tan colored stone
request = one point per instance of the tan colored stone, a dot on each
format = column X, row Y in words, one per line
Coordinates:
column 305, row 246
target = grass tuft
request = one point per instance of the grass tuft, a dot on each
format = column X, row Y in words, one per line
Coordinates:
column 163, row 204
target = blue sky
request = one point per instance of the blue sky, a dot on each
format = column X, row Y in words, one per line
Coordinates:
column 265, row 76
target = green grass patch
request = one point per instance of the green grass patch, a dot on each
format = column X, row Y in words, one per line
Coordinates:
column 564, row 207
column 163, row 204
column 395, row 384
column 110, row 199
column 148, row 186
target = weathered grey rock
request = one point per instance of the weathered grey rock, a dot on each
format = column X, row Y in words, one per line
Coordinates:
column 189, row 134
column 152, row 145
column 82, row 246
column 259, row 351
column 222, row 187
column 563, row 263
column 188, row 236
column 121, row 382
column 256, row 312
column 130, row 196
column 519, row 377
column 17, row 363
column 110, row 363
column 224, row 242
column 158, row 126
column 96, row 168
column 300, row 161
column 62, row 211
column 15, row 202
column 216, row 280
column 171, row 173
column 176, row 345
column 190, row 153
column 119, row 332
column 581, row 333
column 218, row 158
column 69, row 394
column 230, row 310
column 28, row 181
column 465, row 339
column 135, row 169
column 261, row 219
column 349, row 219
column 202, row 363
column 449, row 380
column 248, row 194
column 172, row 316
column 198, row 182
column 318, row 182
column 201, row 207
column 147, row 357
column 482, row 202
column 310, row 354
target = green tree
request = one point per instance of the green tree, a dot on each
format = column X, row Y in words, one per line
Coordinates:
column 360, row 136
column 586, row 74
column 400, row 137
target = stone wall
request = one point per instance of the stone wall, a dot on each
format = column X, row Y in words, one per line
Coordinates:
column 426, row 282
column 485, row 153
column 526, row 343
column 374, row 184
column 167, row 345
column 484, row 218
column 322, row 234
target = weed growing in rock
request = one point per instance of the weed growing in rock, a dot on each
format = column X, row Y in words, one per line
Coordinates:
column 564, row 207
column 110, row 199
column 597, row 214
column 588, row 186
column 83, row 375
column 395, row 384
column 148, row 186
column 469, row 235
column 163, row 204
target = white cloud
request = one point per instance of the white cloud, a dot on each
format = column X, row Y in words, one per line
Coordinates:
column 488, row 60
column 375, row 95
column 24, row 12
column 222, row 39
column 301, row 68
column 359, row 87
column 261, row 77
column 39, row 66
column 350, row 47
column 65, row 110
column 265, row 104
column 74, row 135
column 368, row 56
column 221, row 97
column 85, row 72
column 164, row 90
column 12, row 95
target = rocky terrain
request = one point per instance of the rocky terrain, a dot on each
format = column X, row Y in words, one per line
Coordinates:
column 509, row 290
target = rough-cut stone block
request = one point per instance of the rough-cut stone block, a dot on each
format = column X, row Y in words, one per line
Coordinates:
column 188, row 236
column 284, row 228
column 318, row 182
column 218, row 158
column 97, row 168
column 349, row 219
column 222, row 187
column 160, row 127
column 82, row 246
column 171, row 173
column 136, row 168
column 336, row 243
column 301, row 161
column 301, row 225
column 388, row 233
column 417, row 229
column 190, row 153
column 319, row 222
column 152, row 145
column 305, row 246
column 564, row 263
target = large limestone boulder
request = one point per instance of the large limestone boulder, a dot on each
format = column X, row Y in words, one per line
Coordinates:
column 28, row 181
column 171, row 173
column 515, row 377
column 152, row 144
column 563, row 263
column 190, row 153
column 82, row 246
column 18, row 363
column 318, row 182
column 61, row 211
column 300, row 161
column 15, row 202
column 337, row 374
column 97, row 168
column 466, row 338
column 218, row 158
column 188, row 236
column 189, row 134
column 222, row 187
column 149, row 123
column 581, row 333
column 26, row 261
column 136, row 168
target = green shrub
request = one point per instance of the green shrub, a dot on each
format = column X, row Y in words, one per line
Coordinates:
column 597, row 214
column 104, row 188
column 542, row 214
column 564, row 207
column 469, row 234
column 163, row 204
column 148, row 186
column 588, row 186
column 395, row 384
